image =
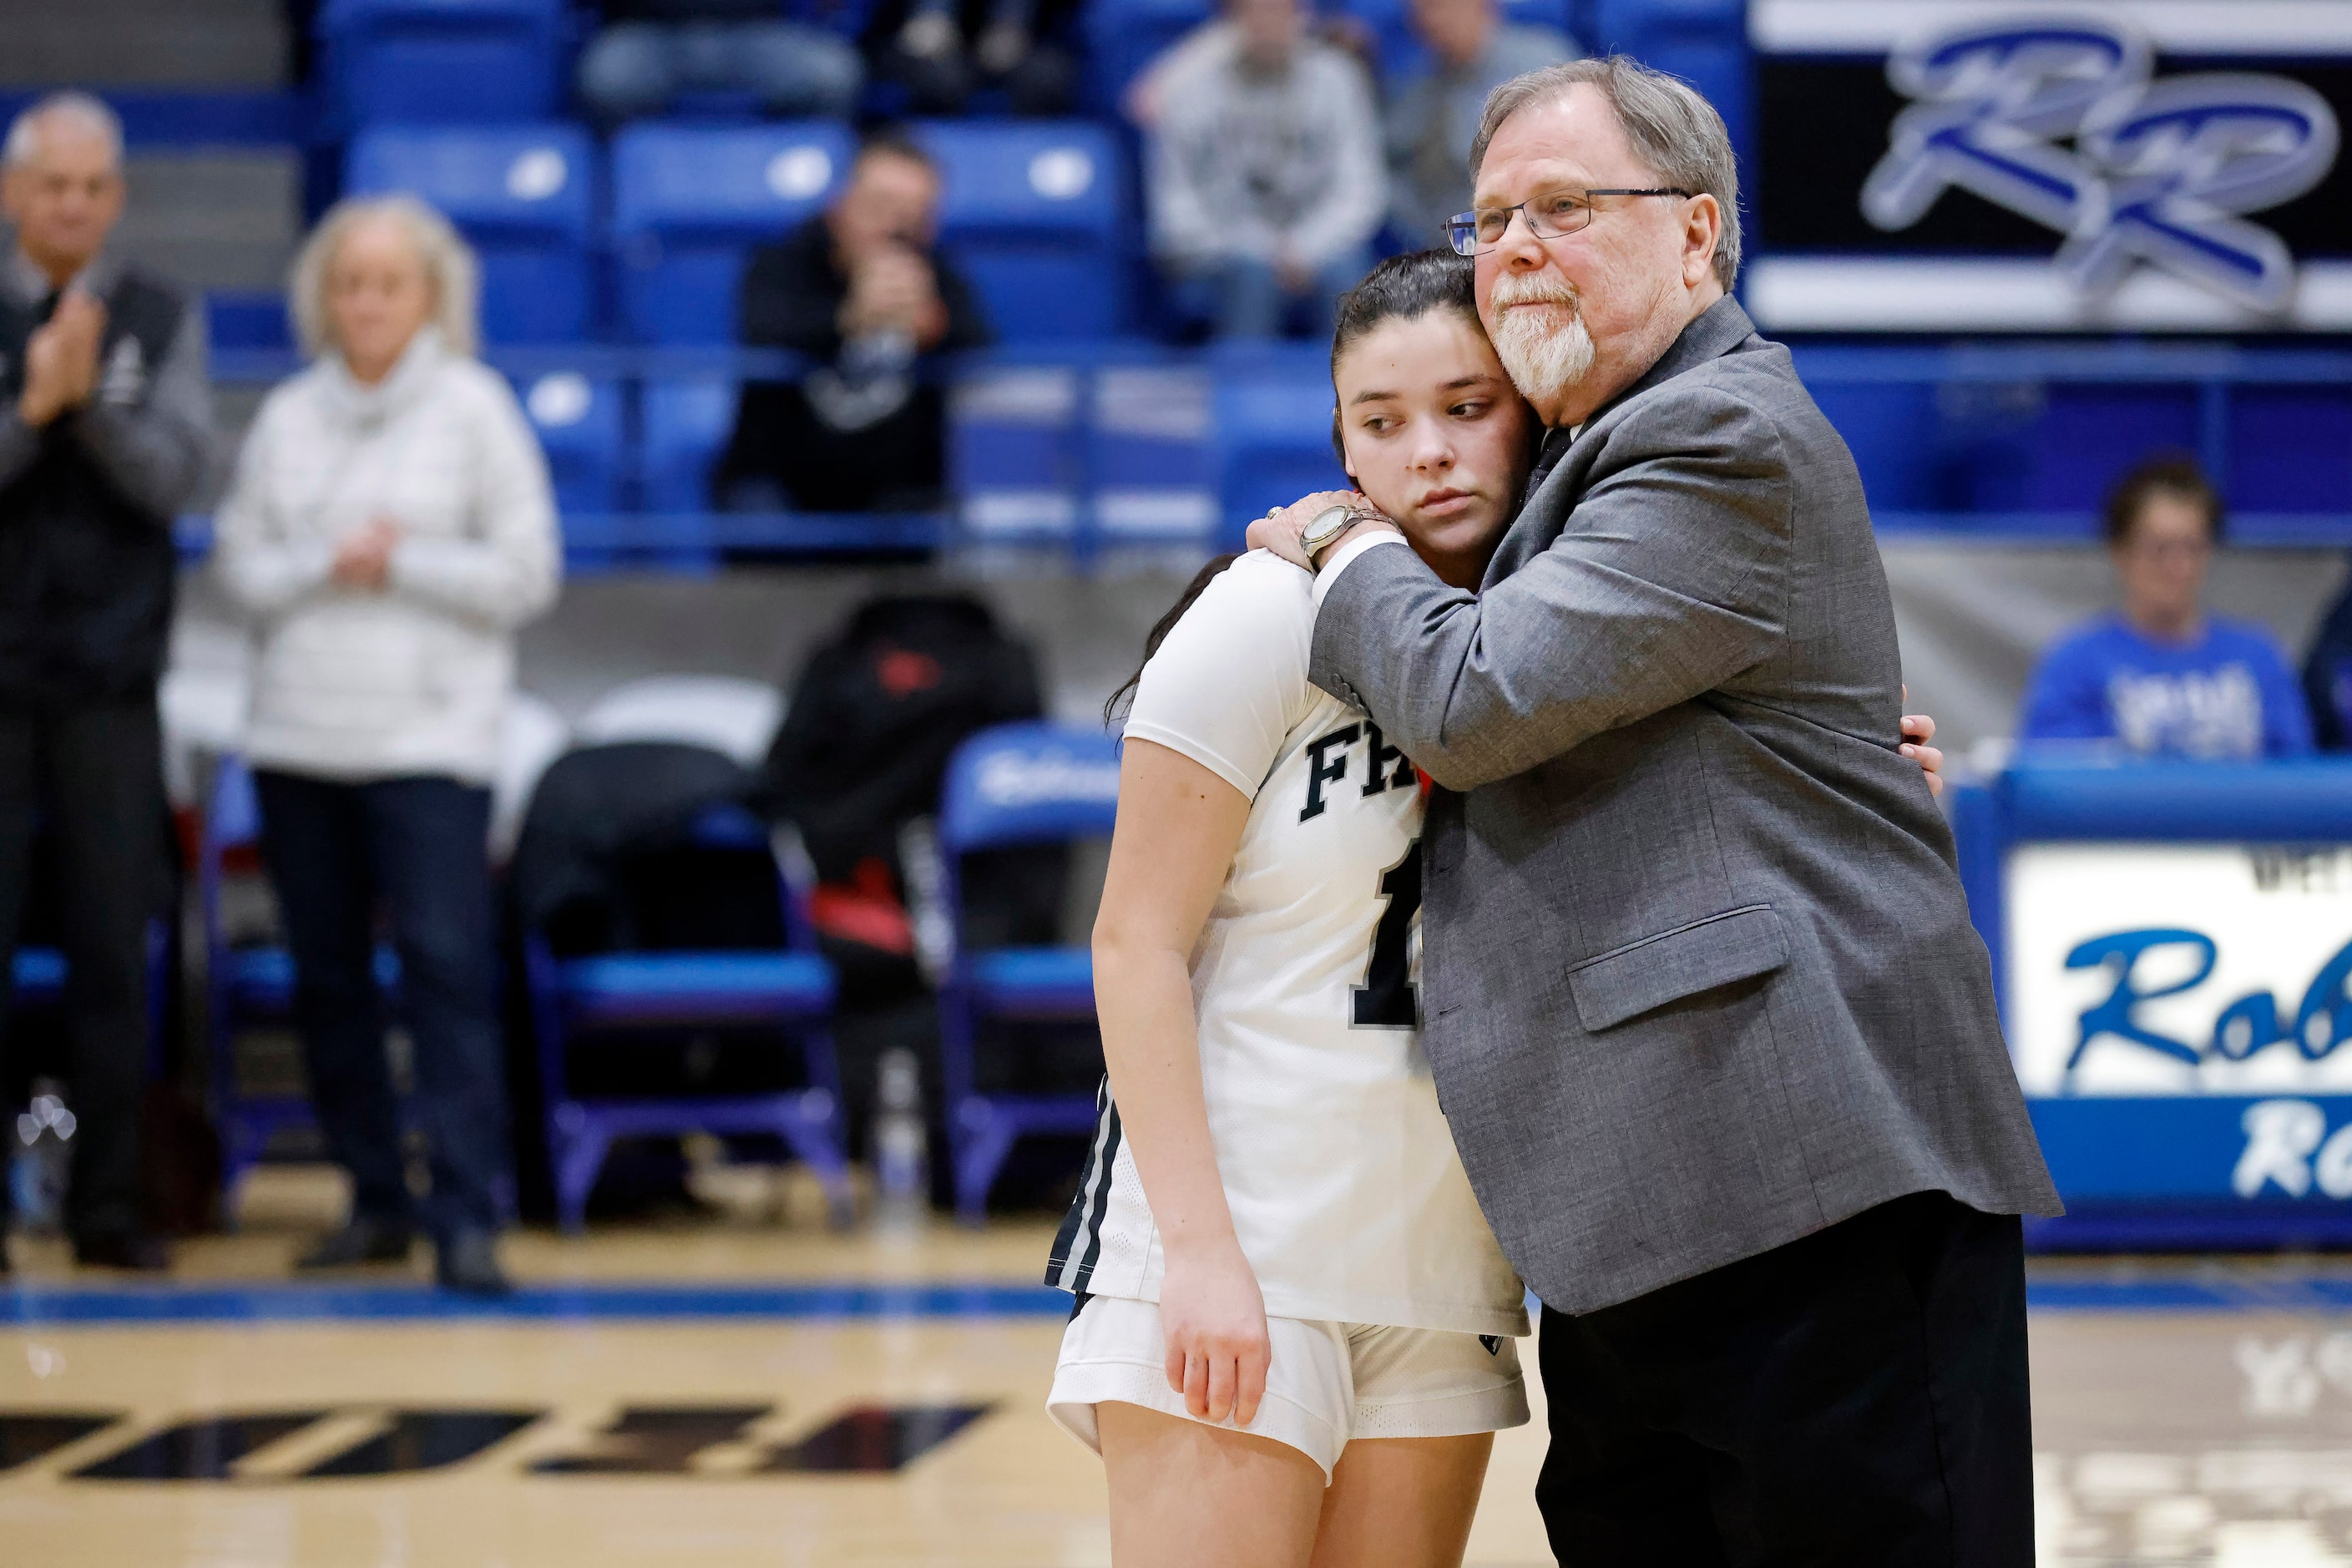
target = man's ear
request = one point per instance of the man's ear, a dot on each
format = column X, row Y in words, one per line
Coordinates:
column 1702, row 232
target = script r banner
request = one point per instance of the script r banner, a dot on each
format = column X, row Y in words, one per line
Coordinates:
column 2179, row 1017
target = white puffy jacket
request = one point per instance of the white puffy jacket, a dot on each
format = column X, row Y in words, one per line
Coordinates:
column 415, row 679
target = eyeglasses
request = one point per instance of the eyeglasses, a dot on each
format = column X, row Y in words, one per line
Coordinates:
column 1549, row 215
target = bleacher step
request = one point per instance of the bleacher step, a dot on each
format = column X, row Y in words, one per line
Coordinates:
column 215, row 220
column 144, row 43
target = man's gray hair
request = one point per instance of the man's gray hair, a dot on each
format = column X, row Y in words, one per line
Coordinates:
column 92, row 115
column 1673, row 130
column 449, row 266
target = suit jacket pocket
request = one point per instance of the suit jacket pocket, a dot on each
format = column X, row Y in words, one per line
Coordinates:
column 1629, row 980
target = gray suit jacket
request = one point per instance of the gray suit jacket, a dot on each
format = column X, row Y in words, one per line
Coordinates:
column 1699, row 976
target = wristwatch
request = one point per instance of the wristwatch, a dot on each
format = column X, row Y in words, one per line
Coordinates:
column 1328, row 525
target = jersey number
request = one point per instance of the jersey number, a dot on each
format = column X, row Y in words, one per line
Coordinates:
column 1385, row 999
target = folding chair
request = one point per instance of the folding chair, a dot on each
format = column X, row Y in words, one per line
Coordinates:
column 1013, row 784
column 790, row 988
column 247, row 985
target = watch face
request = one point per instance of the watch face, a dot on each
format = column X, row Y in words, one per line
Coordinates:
column 1329, row 522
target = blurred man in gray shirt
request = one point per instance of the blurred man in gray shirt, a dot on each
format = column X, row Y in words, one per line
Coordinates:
column 105, row 434
column 1433, row 105
column 1265, row 172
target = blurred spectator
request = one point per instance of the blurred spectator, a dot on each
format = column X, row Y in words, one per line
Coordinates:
column 1434, row 107
column 2162, row 677
column 105, row 435
column 1267, row 185
column 649, row 51
column 860, row 290
column 2328, row 676
column 1013, row 51
column 390, row 528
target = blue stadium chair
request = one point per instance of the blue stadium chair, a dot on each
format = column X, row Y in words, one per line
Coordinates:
column 1034, row 213
column 691, row 202
column 579, row 419
column 249, row 986
column 1123, row 36
column 1271, row 419
column 524, row 196
column 1013, row 784
column 657, row 991
column 449, row 61
column 687, row 422
column 1705, row 42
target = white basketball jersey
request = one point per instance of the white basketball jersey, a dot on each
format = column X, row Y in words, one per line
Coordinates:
column 1347, row 1195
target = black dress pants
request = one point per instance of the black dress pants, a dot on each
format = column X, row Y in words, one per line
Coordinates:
column 1858, row 1397
column 416, row 845
column 91, row 777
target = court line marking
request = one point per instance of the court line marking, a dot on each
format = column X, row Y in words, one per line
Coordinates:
column 30, row 1305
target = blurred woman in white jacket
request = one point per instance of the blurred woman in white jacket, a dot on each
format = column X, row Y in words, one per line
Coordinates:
column 390, row 528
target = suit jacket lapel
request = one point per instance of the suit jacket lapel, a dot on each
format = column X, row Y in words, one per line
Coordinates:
column 1713, row 333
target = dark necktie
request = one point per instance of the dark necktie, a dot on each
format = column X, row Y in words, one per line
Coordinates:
column 1556, row 443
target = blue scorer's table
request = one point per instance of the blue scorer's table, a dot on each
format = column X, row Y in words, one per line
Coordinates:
column 2172, row 944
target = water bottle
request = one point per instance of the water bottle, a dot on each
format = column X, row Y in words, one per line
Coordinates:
column 901, row 1146
column 36, row 1168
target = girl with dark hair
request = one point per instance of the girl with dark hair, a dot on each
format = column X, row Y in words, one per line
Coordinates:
column 1294, row 1339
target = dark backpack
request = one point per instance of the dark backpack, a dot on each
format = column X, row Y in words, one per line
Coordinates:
column 862, row 751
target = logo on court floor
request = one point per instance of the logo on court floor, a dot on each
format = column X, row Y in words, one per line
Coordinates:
column 2062, row 122
column 342, row 1444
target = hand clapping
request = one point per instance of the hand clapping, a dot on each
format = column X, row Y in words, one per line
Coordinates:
column 61, row 359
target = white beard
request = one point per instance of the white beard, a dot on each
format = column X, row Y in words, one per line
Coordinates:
column 1542, row 360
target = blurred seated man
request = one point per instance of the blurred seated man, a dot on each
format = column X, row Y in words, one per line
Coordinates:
column 649, row 51
column 1266, row 177
column 2160, row 678
column 862, row 292
column 1433, row 105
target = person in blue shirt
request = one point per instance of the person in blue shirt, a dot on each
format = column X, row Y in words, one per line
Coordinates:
column 2160, row 678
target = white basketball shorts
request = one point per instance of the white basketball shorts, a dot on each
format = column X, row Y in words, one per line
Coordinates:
column 1327, row 1383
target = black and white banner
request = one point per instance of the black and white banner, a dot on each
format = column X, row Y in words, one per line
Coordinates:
column 1943, row 166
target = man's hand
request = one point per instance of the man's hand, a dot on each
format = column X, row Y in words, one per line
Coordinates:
column 363, row 559
column 1918, row 729
column 61, row 359
column 892, row 292
column 1279, row 530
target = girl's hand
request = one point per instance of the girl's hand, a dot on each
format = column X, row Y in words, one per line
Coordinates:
column 1214, row 1319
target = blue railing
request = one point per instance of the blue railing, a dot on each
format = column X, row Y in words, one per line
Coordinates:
column 1090, row 448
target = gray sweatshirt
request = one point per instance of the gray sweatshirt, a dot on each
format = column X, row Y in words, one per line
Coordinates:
column 1246, row 159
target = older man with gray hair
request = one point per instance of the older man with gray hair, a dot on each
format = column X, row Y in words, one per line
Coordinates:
column 105, row 434
column 1704, row 1006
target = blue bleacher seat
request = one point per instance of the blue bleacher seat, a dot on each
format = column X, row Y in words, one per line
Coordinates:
column 448, row 61
column 1705, row 42
column 1272, row 423
column 689, row 203
column 1122, row 36
column 1034, row 213
column 579, row 422
column 525, row 197
column 686, row 423
column 1008, row 785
